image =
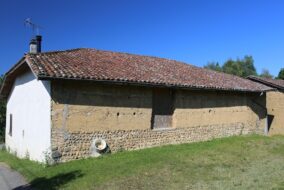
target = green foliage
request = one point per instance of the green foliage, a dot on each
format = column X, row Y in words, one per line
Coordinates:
column 232, row 67
column 213, row 66
column 2, row 116
column 281, row 74
column 266, row 74
column 247, row 65
column 240, row 67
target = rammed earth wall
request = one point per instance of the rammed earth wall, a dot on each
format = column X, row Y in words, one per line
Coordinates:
column 275, row 109
column 122, row 115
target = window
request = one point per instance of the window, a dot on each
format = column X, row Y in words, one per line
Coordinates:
column 11, row 125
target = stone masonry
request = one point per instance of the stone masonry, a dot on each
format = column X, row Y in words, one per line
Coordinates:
column 76, row 145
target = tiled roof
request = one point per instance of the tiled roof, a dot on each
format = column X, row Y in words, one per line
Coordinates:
column 275, row 83
column 98, row 65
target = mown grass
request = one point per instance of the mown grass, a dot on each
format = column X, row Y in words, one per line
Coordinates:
column 250, row 162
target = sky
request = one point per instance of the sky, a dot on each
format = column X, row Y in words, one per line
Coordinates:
column 192, row 31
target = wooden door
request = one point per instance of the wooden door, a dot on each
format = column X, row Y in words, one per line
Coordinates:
column 162, row 113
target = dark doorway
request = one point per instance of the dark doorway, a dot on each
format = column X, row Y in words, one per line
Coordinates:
column 162, row 113
column 269, row 121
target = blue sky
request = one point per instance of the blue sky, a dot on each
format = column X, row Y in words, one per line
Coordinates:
column 193, row 31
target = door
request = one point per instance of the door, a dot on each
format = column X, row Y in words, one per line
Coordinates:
column 162, row 113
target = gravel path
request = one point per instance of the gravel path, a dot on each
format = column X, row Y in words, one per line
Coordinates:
column 10, row 179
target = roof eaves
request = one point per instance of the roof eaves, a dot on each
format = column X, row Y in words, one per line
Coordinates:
column 17, row 65
column 28, row 61
column 257, row 79
column 22, row 61
column 151, row 84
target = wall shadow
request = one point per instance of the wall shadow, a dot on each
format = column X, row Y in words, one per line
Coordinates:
column 258, row 105
column 214, row 99
column 270, row 119
column 209, row 99
column 53, row 183
column 86, row 93
column 27, row 76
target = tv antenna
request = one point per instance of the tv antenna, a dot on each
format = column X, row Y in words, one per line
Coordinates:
column 28, row 23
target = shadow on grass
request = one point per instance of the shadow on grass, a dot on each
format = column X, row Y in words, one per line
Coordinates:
column 279, row 187
column 53, row 183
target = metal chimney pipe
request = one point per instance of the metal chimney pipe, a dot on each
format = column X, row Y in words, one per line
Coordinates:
column 38, row 43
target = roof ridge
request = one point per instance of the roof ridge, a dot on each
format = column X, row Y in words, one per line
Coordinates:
column 126, row 53
column 161, row 58
column 111, row 51
column 120, row 52
column 59, row 51
column 168, row 59
column 139, row 55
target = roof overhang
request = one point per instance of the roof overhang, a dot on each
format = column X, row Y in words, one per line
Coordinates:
column 151, row 85
column 21, row 67
column 267, row 83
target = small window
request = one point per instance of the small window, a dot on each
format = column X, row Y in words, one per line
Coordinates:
column 11, row 125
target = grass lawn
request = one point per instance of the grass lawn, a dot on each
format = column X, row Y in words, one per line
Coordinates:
column 250, row 162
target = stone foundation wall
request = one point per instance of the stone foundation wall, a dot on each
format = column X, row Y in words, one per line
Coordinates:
column 75, row 145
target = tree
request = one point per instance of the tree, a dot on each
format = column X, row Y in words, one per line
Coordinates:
column 2, row 115
column 281, row 74
column 266, row 74
column 247, row 66
column 240, row 67
column 232, row 67
column 213, row 66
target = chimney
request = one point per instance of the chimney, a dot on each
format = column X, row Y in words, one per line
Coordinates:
column 35, row 44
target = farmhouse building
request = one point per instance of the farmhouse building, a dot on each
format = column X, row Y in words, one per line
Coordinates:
column 275, row 104
column 59, row 102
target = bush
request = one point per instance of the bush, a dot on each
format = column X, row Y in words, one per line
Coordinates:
column 2, row 116
column 2, row 121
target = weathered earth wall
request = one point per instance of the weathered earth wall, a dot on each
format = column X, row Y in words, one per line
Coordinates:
column 122, row 116
column 89, row 107
column 197, row 108
column 275, row 109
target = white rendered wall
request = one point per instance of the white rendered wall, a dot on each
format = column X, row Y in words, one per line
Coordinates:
column 30, row 104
